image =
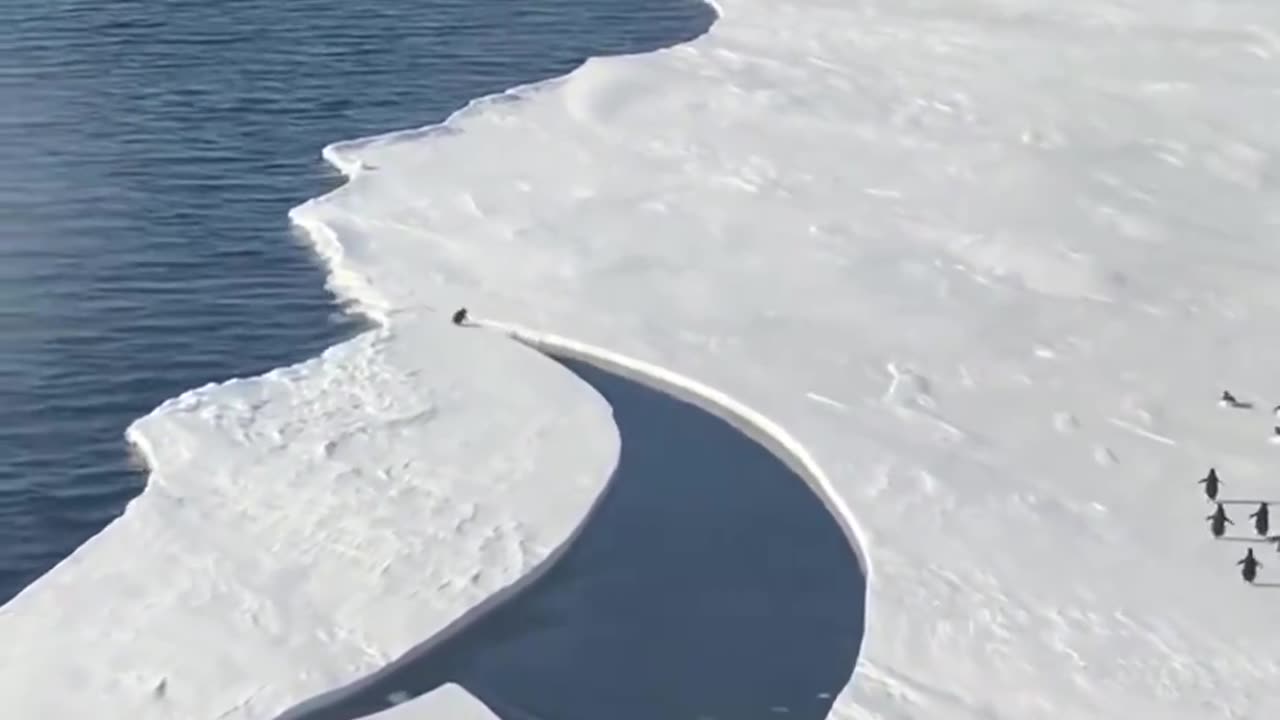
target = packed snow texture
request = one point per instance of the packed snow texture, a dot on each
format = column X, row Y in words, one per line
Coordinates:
column 991, row 262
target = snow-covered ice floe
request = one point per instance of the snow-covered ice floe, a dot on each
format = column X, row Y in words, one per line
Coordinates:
column 991, row 263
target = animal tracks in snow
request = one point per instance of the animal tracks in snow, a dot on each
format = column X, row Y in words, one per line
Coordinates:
column 1142, row 432
column 1065, row 422
column 911, row 395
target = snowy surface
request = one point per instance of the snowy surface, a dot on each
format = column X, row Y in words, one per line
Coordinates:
column 991, row 263
column 307, row 527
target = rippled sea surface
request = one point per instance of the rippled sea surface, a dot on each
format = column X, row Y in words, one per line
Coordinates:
column 149, row 152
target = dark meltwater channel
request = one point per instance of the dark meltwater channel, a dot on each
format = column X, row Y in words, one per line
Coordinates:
column 711, row 583
column 151, row 151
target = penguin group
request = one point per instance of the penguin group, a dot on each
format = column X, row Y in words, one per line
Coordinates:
column 1218, row 522
column 1218, row 519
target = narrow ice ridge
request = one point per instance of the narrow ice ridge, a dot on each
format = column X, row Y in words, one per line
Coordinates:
column 750, row 422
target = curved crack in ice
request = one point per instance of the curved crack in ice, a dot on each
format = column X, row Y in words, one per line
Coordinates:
column 620, row 565
column 750, row 422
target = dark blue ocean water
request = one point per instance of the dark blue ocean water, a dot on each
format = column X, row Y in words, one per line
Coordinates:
column 149, row 152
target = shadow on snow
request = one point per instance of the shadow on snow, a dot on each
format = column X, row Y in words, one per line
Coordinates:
column 711, row 581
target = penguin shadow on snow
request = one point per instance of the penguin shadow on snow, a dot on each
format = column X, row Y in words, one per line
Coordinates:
column 1229, row 400
column 710, row 582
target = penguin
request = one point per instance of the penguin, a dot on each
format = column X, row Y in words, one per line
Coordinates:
column 460, row 316
column 1229, row 399
column 1261, row 519
column 1218, row 521
column 1210, row 483
column 1250, row 565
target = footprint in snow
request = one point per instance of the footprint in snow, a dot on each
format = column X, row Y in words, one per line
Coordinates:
column 1065, row 422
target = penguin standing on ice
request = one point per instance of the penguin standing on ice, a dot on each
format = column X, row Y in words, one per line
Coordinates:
column 1218, row 521
column 460, row 316
column 1250, row 565
column 1210, row 483
column 1261, row 519
column 1229, row 399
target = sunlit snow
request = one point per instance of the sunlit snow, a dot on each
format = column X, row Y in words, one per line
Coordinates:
column 990, row 263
